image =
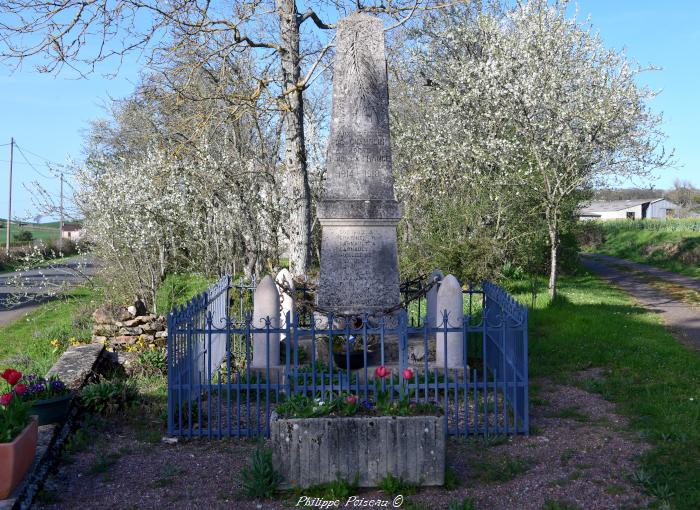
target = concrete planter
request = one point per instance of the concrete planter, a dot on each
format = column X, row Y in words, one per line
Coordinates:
column 310, row 451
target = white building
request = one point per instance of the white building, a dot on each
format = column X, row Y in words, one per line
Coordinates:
column 72, row 231
column 635, row 209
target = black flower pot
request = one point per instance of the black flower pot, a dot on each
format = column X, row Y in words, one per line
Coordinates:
column 52, row 410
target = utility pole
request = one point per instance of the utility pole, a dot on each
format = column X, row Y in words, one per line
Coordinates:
column 9, row 200
column 60, row 233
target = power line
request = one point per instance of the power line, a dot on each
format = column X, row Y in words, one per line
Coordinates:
column 32, row 166
column 41, row 157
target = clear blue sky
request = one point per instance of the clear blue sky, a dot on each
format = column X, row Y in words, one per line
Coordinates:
column 48, row 115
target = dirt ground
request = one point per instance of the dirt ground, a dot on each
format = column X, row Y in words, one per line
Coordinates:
column 581, row 455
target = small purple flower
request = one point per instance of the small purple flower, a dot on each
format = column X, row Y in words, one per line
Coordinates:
column 367, row 404
column 57, row 385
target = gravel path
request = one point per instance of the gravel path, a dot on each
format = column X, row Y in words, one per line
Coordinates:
column 682, row 318
column 582, row 453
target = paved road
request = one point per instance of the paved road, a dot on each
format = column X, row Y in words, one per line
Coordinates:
column 683, row 319
column 21, row 292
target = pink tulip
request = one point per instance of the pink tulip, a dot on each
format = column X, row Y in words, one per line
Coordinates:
column 382, row 372
column 5, row 399
column 351, row 399
column 407, row 374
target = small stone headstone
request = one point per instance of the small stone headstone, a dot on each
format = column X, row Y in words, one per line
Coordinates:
column 450, row 302
column 266, row 304
column 431, row 299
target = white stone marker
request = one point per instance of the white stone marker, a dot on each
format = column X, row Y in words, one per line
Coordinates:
column 449, row 298
column 431, row 300
column 266, row 303
column 284, row 279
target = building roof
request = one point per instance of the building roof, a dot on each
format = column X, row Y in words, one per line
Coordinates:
column 71, row 227
column 614, row 205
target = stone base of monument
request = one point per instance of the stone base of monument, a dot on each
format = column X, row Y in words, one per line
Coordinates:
column 311, row 451
column 416, row 350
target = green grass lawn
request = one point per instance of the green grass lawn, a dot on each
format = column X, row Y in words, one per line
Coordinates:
column 675, row 250
column 26, row 344
column 653, row 378
column 43, row 231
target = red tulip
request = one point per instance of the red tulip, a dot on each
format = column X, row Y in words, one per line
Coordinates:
column 351, row 399
column 382, row 372
column 20, row 389
column 5, row 399
column 11, row 376
column 407, row 374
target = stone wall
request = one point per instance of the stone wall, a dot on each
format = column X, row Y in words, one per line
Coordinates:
column 127, row 328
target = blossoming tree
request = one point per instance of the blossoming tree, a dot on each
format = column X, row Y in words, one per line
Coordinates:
column 526, row 104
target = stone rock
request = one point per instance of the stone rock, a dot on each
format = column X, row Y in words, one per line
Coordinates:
column 450, row 304
column 151, row 327
column 123, row 340
column 313, row 451
column 108, row 314
column 132, row 310
column 161, row 334
column 105, row 329
column 358, row 213
column 148, row 338
column 136, row 321
column 266, row 304
column 99, row 339
column 76, row 364
column 131, row 331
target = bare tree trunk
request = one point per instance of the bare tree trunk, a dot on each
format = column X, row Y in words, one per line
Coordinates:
column 295, row 150
column 554, row 249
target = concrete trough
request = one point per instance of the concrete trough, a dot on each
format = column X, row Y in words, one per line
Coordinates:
column 311, row 451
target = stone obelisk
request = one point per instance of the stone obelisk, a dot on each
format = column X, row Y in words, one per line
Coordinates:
column 359, row 214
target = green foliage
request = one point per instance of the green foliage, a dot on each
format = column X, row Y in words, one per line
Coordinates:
column 260, row 479
column 302, row 406
column 650, row 375
column 451, row 479
column 24, row 236
column 108, row 397
column 153, row 362
column 178, row 288
column 669, row 244
column 13, row 419
column 551, row 504
column 465, row 504
column 500, row 468
column 392, row 486
column 26, row 344
column 337, row 489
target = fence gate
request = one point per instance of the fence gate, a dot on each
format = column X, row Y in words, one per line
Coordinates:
column 216, row 390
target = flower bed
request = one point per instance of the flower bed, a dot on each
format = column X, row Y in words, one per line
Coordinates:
column 349, row 404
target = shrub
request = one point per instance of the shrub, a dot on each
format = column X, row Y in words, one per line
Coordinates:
column 153, row 362
column 465, row 504
column 393, row 486
column 259, row 478
column 108, row 397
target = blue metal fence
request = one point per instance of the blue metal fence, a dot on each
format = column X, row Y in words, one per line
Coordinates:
column 214, row 389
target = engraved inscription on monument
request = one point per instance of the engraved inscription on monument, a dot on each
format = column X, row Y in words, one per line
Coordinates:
column 358, row 215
